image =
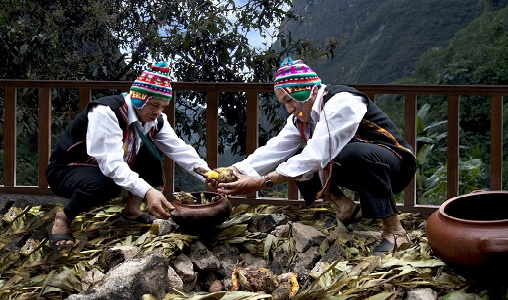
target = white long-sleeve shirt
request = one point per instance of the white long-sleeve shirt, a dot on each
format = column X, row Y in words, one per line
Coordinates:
column 104, row 143
column 344, row 112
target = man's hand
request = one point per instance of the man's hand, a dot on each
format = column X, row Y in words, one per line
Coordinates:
column 244, row 185
column 213, row 183
column 156, row 204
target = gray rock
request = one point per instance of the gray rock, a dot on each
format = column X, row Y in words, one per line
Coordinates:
column 202, row 258
column 228, row 256
column 185, row 269
column 279, row 262
column 147, row 274
column 266, row 222
column 422, row 294
column 216, row 286
column 174, row 280
column 306, row 236
column 281, row 231
column 251, row 261
column 305, row 262
column 165, row 226
column 333, row 253
column 117, row 255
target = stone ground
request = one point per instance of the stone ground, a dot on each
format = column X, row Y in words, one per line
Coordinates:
column 31, row 200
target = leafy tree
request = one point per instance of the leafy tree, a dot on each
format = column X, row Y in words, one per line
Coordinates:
column 476, row 55
column 203, row 40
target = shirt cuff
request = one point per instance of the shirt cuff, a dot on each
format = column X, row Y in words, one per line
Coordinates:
column 299, row 177
column 246, row 169
column 141, row 188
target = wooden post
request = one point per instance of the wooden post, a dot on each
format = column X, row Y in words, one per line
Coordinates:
column 10, row 136
column 44, row 134
column 453, row 147
column 496, row 143
column 410, row 136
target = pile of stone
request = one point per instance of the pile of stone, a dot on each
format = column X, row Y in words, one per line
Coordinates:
column 217, row 267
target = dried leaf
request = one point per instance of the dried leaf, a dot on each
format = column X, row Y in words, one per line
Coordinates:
column 270, row 240
column 410, row 259
column 234, row 295
column 356, row 275
column 65, row 280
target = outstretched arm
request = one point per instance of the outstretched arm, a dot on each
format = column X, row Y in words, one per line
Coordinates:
column 248, row 184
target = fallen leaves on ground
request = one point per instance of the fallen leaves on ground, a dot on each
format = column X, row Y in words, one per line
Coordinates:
column 30, row 269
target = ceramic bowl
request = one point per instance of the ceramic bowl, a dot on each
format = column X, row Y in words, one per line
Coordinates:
column 201, row 217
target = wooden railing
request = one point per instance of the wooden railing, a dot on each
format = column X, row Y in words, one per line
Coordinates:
column 252, row 90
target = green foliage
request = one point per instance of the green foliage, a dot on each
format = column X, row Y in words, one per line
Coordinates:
column 476, row 55
column 114, row 40
column 427, row 140
column 27, row 166
column 51, row 40
column 470, row 171
column 380, row 41
column 431, row 174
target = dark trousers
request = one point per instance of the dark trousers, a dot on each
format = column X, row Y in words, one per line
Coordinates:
column 373, row 171
column 87, row 187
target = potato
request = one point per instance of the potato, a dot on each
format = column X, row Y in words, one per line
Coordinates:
column 221, row 174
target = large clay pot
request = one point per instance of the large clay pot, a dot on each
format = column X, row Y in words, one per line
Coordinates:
column 201, row 217
column 470, row 232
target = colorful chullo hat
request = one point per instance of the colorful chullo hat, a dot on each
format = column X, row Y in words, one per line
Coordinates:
column 296, row 79
column 154, row 82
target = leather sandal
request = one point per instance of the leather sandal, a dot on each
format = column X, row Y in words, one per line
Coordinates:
column 54, row 238
column 144, row 218
column 387, row 246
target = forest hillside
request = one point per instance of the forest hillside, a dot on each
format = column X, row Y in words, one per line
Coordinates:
column 381, row 40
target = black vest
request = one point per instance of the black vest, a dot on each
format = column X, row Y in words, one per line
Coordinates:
column 71, row 146
column 376, row 127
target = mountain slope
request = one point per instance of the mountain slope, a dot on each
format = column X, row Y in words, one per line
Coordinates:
column 384, row 38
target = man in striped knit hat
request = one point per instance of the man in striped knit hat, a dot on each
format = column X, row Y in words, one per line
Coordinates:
column 117, row 143
column 334, row 137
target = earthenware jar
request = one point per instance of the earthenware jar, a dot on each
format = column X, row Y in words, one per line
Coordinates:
column 201, row 217
column 470, row 232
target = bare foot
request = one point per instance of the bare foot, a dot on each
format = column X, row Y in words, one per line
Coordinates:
column 346, row 207
column 132, row 207
column 62, row 225
column 393, row 231
column 396, row 238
